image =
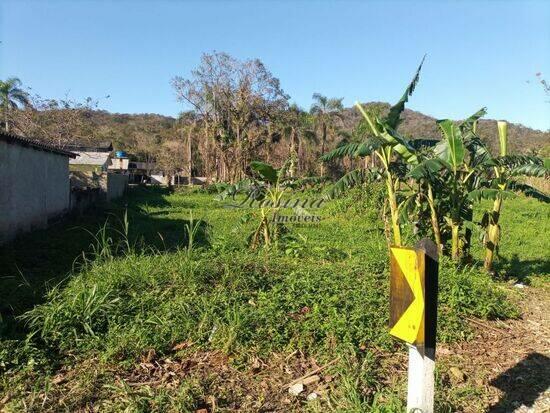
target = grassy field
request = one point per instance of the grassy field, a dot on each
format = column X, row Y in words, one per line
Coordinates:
column 169, row 310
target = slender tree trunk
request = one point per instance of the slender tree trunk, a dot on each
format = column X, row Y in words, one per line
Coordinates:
column 208, row 164
column 455, row 219
column 393, row 211
column 6, row 117
column 468, row 234
column 323, row 141
column 292, row 154
column 190, row 155
column 493, row 234
column 455, row 240
column 435, row 221
column 493, row 231
column 300, row 161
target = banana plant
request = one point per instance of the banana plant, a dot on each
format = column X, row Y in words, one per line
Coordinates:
column 386, row 144
column 463, row 171
column 504, row 170
column 426, row 174
column 446, row 178
column 265, row 191
column 268, row 227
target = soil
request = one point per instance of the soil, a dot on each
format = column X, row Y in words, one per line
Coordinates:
column 509, row 360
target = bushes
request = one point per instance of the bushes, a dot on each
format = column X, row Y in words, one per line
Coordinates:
column 152, row 300
column 469, row 291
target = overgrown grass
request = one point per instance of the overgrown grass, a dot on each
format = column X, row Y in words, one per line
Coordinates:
column 323, row 293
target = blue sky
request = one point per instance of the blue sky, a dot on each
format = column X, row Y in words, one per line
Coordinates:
column 479, row 53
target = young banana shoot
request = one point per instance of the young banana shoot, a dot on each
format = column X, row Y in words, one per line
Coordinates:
column 493, row 230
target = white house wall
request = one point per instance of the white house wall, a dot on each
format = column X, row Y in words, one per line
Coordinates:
column 34, row 188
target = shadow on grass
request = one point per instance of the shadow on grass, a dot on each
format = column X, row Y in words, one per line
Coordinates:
column 521, row 269
column 35, row 262
column 523, row 383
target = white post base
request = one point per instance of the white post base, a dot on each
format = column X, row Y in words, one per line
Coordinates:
column 420, row 394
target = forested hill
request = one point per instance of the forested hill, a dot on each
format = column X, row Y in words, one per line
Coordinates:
column 129, row 131
column 122, row 128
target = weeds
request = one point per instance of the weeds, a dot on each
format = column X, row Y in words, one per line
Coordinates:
column 324, row 294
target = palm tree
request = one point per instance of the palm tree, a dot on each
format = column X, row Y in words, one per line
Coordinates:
column 326, row 111
column 11, row 96
column 296, row 128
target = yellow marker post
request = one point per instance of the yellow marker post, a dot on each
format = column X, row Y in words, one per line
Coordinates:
column 408, row 296
column 413, row 316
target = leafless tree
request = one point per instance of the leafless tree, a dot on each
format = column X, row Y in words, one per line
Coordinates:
column 235, row 100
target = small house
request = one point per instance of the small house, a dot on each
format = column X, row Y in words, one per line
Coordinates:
column 91, row 158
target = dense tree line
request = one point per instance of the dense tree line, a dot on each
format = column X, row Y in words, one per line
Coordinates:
column 234, row 112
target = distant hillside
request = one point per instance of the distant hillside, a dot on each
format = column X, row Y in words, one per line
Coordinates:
column 123, row 129
column 126, row 130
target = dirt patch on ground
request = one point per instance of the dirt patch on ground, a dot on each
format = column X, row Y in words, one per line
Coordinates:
column 509, row 360
column 211, row 382
column 282, row 384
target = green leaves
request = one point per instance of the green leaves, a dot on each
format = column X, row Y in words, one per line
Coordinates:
column 353, row 149
column 351, row 179
column 426, row 169
column 516, row 165
column 489, row 193
column 529, row 170
column 468, row 124
column 399, row 145
column 247, row 186
column 395, row 111
column 266, row 171
column 529, row 191
column 451, row 149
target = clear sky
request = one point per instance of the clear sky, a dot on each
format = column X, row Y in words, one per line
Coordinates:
column 480, row 53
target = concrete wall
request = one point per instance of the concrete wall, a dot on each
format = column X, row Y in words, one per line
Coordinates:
column 84, row 199
column 157, row 179
column 116, row 185
column 34, row 188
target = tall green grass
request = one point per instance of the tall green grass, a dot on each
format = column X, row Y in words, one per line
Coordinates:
column 324, row 293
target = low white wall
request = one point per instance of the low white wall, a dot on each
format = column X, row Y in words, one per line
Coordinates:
column 34, row 188
column 157, row 179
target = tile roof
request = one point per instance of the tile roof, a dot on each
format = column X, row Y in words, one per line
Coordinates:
column 20, row 140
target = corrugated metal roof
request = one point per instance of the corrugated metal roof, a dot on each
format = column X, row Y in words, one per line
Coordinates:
column 91, row 158
column 20, row 140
